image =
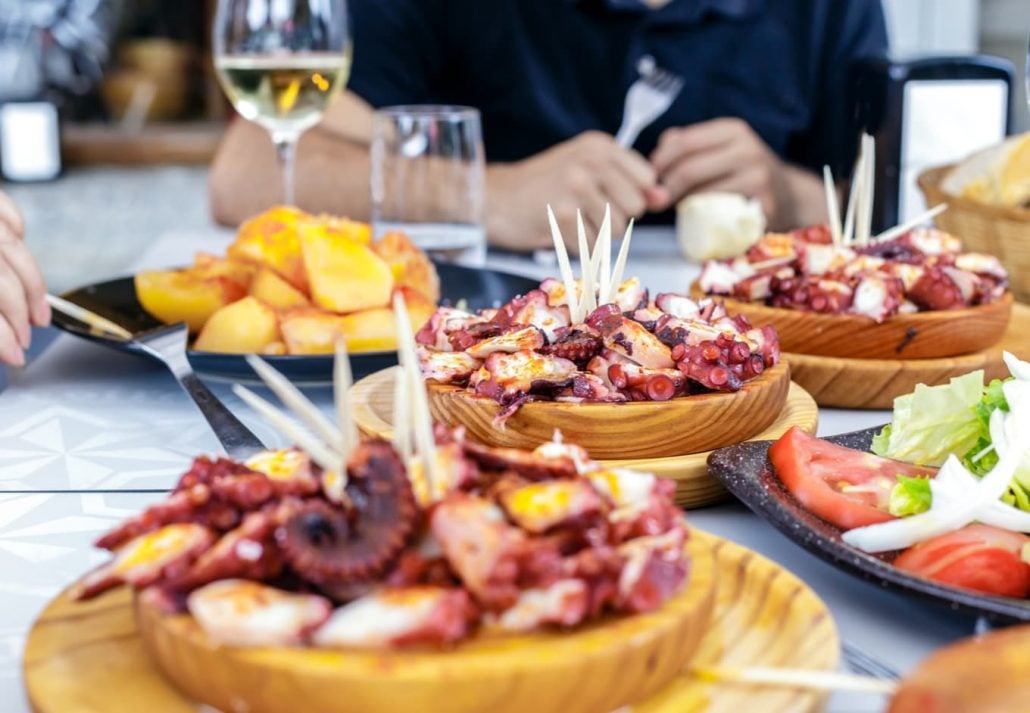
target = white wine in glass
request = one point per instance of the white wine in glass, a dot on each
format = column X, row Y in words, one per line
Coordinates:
column 281, row 62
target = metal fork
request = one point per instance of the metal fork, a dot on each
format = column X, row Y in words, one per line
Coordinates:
column 168, row 345
column 861, row 662
column 648, row 98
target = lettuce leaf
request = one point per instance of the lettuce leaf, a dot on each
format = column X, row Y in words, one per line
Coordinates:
column 934, row 421
column 910, row 496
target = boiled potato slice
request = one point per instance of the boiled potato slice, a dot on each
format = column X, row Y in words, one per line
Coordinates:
column 344, row 275
column 410, row 266
column 310, row 331
column 185, row 295
column 270, row 239
column 276, row 292
column 243, row 327
column 345, row 228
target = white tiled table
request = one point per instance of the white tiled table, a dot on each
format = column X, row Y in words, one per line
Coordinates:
column 88, row 435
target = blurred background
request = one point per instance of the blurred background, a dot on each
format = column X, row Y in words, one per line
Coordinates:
column 90, row 87
column 127, row 64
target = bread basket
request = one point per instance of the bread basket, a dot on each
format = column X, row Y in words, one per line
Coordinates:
column 997, row 230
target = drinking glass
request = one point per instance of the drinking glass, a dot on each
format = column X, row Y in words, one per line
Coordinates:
column 427, row 179
column 281, row 62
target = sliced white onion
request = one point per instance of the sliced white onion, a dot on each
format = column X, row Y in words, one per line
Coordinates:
column 945, row 514
column 1018, row 368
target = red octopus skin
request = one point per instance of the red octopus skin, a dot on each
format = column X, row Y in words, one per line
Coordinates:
column 936, row 290
column 526, row 464
column 451, row 620
column 146, row 573
column 247, row 552
column 204, row 471
column 327, row 545
column 630, row 339
column 660, row 569
column 504, row 377
column 181, row 506
column 414, row 568
column 576, row 345
column 481, row 547
column 213, row 493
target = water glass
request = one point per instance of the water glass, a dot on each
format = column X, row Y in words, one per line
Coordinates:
column 428, row 179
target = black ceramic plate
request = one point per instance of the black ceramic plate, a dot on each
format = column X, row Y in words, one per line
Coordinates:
column 746, row 472
column 116, row 300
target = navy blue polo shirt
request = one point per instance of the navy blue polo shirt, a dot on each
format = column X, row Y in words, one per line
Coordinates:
column 543, row 71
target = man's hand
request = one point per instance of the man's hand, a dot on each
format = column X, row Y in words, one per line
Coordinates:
column 583, row 173
column 727, row 155
column 22, row 290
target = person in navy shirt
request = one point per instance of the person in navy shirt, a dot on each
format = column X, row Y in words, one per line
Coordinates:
column 764, row 106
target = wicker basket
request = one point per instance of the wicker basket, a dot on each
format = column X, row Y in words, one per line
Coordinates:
column 997, row 230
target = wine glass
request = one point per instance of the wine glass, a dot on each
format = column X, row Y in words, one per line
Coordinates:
column 281, row 62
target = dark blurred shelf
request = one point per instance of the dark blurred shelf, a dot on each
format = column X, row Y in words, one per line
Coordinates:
column 178, row 143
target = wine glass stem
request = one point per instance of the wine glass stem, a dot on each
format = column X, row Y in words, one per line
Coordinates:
column 286, row 152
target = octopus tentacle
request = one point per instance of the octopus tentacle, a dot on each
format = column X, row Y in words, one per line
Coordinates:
column 326, row 544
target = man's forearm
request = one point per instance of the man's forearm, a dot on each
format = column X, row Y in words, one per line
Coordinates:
column 802, row 201
column 332, row 175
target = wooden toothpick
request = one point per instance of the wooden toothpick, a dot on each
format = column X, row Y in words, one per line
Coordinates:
column 319, row 451
column 620, row 264
column 588, row 299
column 342, row 382
column 299, row 404
column 796, row 678
column 911, row 223
column 848, row 235
column 604, row 244
column 564, row 268
column 832, row 211
column 421, row 418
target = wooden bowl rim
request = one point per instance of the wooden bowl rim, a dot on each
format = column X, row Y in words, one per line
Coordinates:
column 768, row 377
column 485, row 652
column 914, row 320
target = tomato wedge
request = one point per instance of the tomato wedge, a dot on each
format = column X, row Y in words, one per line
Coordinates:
column 978, row 557
column 843, row 486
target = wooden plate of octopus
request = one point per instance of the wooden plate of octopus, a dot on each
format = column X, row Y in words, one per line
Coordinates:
column 372, row 406
column 636, row 429
column 921, row 335
column 94, row 655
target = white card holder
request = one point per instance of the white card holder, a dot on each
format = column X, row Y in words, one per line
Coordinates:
column 30, row 146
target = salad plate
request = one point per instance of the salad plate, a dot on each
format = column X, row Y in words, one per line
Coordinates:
column 117, row 300
column 92, row 655
column 745, row 471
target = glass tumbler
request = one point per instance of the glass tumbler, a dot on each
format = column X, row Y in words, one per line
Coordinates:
column 428, row 174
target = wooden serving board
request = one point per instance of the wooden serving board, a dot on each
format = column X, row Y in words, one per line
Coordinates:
column 875, row 383
column 371, row 401
column 637, row 429
column 91, row 657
